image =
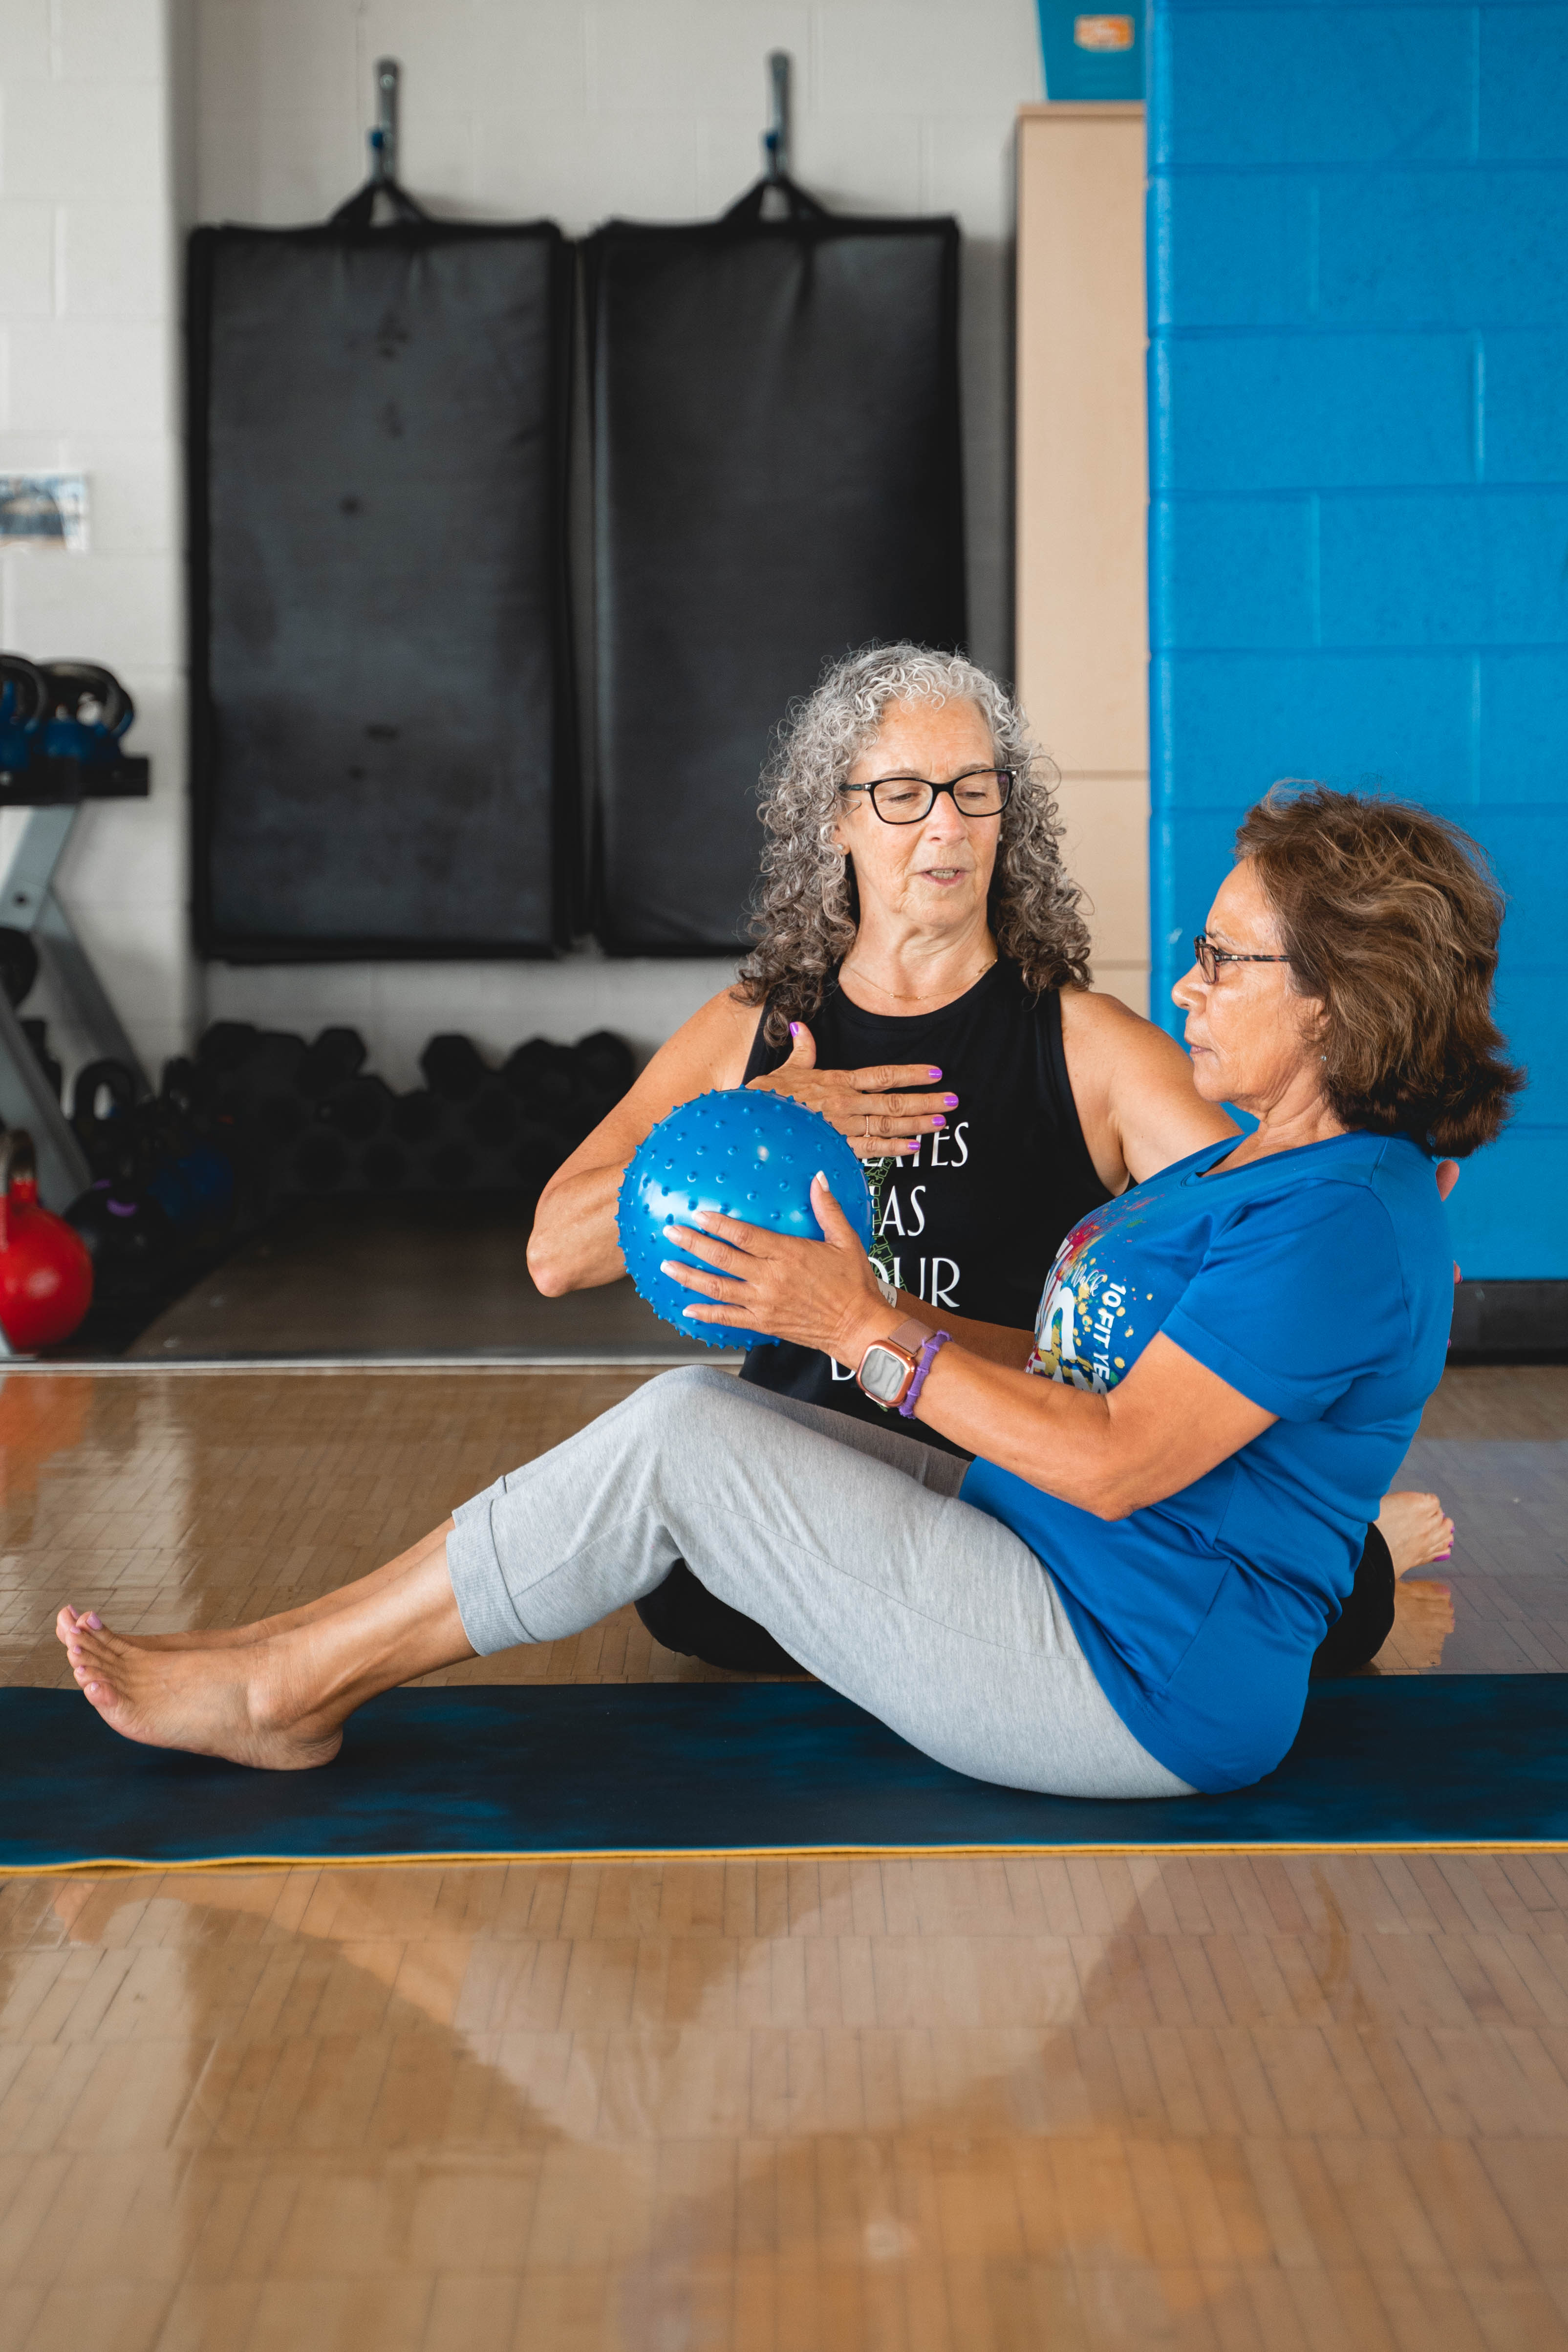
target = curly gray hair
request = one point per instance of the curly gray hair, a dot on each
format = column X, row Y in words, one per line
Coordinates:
column 808, row 909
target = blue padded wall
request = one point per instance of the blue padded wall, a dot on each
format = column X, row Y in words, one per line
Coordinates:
column 1358, row 286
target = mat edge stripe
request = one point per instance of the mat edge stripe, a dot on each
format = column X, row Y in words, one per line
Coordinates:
column 463, row 1859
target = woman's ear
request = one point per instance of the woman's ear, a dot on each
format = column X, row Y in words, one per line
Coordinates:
column 1314, row 1014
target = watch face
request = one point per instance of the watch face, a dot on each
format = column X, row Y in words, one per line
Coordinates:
column 882, row 1374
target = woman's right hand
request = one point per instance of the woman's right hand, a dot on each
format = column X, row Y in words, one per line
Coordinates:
column 873, row 1109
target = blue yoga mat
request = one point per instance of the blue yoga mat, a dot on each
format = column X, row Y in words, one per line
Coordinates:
column 487, row 1771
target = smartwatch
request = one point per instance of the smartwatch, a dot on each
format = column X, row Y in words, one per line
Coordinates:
column 888, row 1369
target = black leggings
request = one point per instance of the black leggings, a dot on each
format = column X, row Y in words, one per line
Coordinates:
column 684, row 1616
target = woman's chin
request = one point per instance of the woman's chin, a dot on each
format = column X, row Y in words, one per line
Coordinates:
column 1207, row 1077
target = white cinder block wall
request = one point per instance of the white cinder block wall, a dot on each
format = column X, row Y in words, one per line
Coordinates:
column 512, row 108
column 92, row 99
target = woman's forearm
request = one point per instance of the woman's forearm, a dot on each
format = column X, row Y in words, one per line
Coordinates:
column 998, row 1343
column 1166, row 1424
column 574, row 1245
column 1169, row 1423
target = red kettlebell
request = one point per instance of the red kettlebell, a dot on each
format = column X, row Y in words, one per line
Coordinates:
column 46, row 1273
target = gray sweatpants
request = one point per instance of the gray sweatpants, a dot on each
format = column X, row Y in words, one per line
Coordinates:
column 848, row 1543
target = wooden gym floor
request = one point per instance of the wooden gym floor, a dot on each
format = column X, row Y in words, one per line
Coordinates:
column 416, row 1275
column 951, row 2105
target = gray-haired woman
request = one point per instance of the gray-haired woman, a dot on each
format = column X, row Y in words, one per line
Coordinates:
column 921, row 977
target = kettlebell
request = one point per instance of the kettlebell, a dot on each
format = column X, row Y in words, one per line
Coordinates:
column 46, row 1273
column 90, row 711
column 127, row 1232
column 102, row 1099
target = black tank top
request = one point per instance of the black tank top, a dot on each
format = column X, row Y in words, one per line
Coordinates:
column 973, row 1220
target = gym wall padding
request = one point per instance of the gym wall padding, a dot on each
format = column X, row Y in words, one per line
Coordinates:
column 776, row 479
column 383, row 757
column 1359, row 475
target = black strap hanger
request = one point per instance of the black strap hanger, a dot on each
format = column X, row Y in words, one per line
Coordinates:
column 360, row 209
column 799, row 206
column 776, row 180
column 359, row 212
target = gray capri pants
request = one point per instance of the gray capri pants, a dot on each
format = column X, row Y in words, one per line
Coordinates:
column 848, row 1543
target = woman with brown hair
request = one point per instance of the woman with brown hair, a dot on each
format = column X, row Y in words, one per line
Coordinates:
column 1122, row 1593
column 920, row 976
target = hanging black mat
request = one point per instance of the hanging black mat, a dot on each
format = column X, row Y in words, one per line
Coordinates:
column 778, row 478
column 383, row 761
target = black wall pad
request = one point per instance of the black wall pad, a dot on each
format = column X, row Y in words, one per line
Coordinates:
column 382, row 739
column 1522, row 1321
column 777, row 478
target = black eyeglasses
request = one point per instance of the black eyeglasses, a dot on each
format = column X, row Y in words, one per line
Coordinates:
column 906, row 800
column 1209, row 958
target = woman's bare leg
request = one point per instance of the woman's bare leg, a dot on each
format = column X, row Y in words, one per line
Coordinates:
column 279, row 1698
column 261, row 1629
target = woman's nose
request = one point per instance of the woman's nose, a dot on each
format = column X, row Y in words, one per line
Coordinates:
column 945, row 819
column 1187, row 994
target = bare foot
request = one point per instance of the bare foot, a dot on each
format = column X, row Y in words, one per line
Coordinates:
column 235, row 1707
column 265, row 1628
column 228, row 1637
column 1415, row 1529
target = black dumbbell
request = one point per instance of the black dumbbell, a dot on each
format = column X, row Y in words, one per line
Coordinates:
column 542, row 1075
column 273, row 1121
column 320, row 1162
column 454, row 1067
column 359, row 1110
column 453, row 1166
column 274, row 1066
column 384, row 1167
column 606, row 1064
column 418, row 1119
column 493, row 1117
column 227, row 1046
column 537, row 1154
column 337, row 1055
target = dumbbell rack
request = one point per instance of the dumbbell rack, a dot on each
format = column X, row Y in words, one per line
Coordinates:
column 53, row 791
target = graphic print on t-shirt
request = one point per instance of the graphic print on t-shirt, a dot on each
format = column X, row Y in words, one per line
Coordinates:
column 1088, row 1320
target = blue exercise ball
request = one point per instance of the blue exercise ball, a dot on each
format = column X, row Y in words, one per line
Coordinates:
column 748, row 1154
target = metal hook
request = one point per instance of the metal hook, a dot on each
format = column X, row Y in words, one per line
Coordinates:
column 384, row 138
column 775, row 138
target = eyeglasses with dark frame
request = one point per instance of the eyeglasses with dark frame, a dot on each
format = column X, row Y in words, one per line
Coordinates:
column 1209, row 957
column 909, row 800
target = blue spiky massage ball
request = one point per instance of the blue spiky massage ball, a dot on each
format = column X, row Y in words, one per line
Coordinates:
column 749, row 1155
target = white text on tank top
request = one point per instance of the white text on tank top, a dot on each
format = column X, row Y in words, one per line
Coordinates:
column 898, row 1219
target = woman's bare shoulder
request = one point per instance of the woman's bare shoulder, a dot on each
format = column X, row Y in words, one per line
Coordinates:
column 1094, row 1020
column 1132, row 1086
column 712, row 1046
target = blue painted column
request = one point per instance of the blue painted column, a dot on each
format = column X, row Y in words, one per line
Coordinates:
column 1358, row 286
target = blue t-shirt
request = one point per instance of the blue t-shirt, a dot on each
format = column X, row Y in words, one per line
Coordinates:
column 1317, row 1282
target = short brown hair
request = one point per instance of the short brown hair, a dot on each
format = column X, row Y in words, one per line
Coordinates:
column 1390, row 915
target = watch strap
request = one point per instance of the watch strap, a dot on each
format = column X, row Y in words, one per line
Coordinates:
column 928, row 1355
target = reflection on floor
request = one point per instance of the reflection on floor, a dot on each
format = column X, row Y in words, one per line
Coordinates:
column 412, row 1275
column 952, row 2106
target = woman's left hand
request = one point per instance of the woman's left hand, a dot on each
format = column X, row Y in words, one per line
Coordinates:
column 816, row 1294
